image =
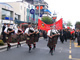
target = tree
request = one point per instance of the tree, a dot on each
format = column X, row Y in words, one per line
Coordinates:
column 77, row 25
column 47, row 20
column 69, row 24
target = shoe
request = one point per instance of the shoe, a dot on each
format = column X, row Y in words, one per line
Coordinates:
column 34, row 47
column 20, row 44
column 29, row 50
column 51, row 53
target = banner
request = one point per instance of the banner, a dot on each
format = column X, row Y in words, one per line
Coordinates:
column 46, row 27
column 59, row 24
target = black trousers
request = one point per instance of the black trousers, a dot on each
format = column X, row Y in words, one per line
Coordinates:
column 4, row 37
column 62, row 39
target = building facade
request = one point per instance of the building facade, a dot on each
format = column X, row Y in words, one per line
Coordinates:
column 12, row 12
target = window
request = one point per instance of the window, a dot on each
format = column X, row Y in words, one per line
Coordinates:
column 17, row 17
column 6, row 15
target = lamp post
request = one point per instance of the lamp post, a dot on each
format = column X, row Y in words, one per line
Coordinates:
column 54, row 19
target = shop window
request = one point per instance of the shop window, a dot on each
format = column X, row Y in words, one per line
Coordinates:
column 7, row 15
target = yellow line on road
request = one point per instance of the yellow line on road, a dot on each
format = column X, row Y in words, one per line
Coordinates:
column 70, row 43
column 69, row 47
column 75, row 59
column 76, row 44
column 70, row 57
column 70, row 51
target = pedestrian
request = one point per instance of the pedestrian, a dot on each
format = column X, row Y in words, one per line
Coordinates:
column 3, row 34
column 51, row 42
column 76, row 32
column 36, row 37
column 62, row 36
column 45, row 34
column 78, row 37
column 8, row 31
column 56, row 38
column 30, row 36
column 73, row 35
column 18, row 32
column 68, row 34
column 65, row 35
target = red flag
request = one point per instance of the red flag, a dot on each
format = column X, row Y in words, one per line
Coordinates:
column 59, row 25
column 46, row 27
column 43, row 26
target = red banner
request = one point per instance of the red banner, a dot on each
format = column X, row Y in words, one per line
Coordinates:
column 46, row 27
column 59, row 24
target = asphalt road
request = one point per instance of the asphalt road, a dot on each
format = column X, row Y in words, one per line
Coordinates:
column 41, row 52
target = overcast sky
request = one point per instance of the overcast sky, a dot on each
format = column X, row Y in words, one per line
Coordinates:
column 67, row 9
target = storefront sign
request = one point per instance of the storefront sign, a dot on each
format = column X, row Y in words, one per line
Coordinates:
column 32, row 11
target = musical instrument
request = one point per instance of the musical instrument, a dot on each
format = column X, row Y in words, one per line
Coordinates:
column 31, row 31
column 9, row 29
column 19, row 31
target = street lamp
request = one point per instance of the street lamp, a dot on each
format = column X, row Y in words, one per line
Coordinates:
column 54, row 18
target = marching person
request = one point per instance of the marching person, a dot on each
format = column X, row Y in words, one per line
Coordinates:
column 51, row 42
column 62, row 36
column 73, row 35
column 78, row 37
column 36, row 37
column 8, row 31
column 45, row 35
column 19, row 32
column 56, row 38
column 68, row 34
column 30, row 36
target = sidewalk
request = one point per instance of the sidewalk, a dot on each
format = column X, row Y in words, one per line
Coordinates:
column 12, row 44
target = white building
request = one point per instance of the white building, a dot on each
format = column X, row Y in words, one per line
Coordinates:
column 12, row 12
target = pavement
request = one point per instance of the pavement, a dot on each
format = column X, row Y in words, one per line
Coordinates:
column 65, row 51
column 12, row 44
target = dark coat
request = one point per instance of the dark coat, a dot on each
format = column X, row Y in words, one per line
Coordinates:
column 78, row 38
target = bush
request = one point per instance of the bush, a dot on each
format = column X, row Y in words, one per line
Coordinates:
column 1, row 36
column 1, row 43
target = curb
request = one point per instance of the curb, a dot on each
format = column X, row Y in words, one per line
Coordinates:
column 12, row 45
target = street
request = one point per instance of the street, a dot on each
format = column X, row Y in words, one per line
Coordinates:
column 66, row 51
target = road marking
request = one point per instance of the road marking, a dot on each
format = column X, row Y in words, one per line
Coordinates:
column 69, row 47
column 70, row 51
column 70, row 43
column 75, row 59
column 76, row 44
column 70, row 57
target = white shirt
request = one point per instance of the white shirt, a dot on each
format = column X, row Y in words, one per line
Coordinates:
column 7, row 29
column 16, row 31
column 27, row 30
column 49, row 31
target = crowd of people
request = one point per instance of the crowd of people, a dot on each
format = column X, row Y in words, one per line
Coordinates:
column 32, row 34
